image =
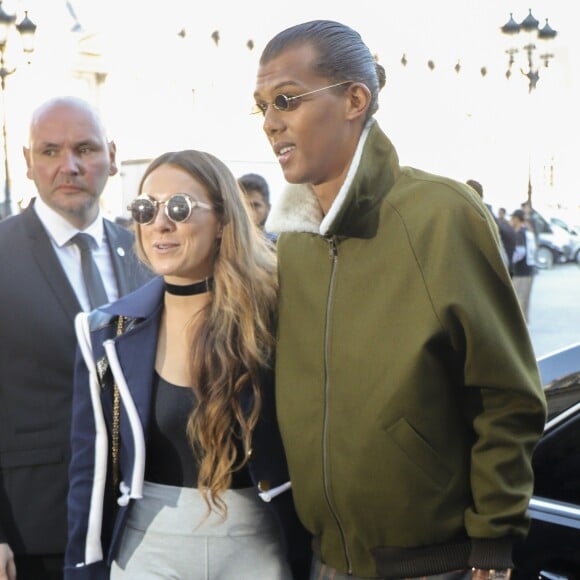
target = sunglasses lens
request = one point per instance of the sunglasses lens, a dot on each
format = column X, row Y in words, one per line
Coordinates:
column 281, row 103
column 143, row 210
column 178, row 208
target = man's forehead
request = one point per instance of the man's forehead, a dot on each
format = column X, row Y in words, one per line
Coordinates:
column 293, row 65
column 54, row 130
column 65, row 121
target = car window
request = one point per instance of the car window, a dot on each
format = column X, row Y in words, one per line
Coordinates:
column 562, row 393
column 557, row 457
column 541, row 224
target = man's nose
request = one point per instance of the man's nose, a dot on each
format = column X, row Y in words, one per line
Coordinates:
column 273, row 121
column 70, row 163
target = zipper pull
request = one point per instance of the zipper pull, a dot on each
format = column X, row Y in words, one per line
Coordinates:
column 332, row 249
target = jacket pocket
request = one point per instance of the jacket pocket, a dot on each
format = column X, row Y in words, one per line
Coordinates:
column 419, row 452
column 27, row 457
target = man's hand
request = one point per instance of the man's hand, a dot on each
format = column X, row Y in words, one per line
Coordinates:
column 7, row 565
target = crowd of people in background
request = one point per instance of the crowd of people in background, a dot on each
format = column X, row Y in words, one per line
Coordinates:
column 519, row 241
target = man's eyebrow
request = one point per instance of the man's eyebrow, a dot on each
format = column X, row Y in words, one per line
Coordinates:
column 44, row 144
column 83, row 143
column 277, row 87
column 91, row 142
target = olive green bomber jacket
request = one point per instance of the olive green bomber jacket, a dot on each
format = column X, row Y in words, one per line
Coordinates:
column 407, row 390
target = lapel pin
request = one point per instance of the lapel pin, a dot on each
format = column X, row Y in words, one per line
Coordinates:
column 121, row 252
column 102, row 367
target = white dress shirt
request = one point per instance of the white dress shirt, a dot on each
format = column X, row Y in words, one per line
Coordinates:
column 60, row 231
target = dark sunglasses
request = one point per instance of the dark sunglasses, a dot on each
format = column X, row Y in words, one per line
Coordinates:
column 178, row 208
column 286, row 103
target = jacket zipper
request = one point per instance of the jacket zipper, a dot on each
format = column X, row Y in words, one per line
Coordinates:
column 333, row 255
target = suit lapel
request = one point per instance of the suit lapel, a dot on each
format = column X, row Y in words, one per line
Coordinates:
column 120, row 248
column 49, row 264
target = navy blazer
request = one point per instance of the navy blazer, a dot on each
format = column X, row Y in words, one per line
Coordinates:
column 95, row 522
column 37, row 353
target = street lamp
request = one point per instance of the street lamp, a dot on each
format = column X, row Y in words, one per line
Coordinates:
column 530, row 29
column 26, row 28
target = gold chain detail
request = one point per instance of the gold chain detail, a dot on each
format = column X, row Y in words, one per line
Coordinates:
column 116, row 415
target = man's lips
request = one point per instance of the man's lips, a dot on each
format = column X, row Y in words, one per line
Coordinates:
column 282, row 147
column 70, row 187
column 283, row 151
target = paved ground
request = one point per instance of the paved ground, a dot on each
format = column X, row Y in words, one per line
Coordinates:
column 555, row 309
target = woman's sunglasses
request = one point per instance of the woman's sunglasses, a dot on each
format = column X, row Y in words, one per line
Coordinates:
column 178, row 208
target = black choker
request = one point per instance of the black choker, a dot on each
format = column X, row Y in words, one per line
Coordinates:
column 189, row 289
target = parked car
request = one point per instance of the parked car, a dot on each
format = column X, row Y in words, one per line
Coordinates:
column 552, row 548
column 557, row 241
column 572, row 249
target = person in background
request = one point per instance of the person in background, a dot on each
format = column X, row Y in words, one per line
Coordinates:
column 524, row 262
column 125, row 222
column 257, row 194
column 476, row 185
column 69, row 158
column 533, row 221
column 507, row 235
column 407, row 390
column 506, row 232
column 203, row 488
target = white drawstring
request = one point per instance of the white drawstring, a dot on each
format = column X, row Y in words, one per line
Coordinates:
column 136, row 485
column 269, row 495
column 124, row 498
column 93, row 547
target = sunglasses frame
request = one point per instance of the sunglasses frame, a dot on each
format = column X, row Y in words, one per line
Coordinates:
column 192, row 204
column 286, row 101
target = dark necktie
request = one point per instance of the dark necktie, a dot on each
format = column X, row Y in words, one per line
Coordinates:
column 93, row 281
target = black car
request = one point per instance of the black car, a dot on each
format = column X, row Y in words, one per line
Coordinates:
column 552, row 548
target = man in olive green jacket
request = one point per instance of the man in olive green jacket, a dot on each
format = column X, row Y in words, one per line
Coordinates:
column 407, row 390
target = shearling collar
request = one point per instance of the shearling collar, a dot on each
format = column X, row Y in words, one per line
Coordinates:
column 373, row 170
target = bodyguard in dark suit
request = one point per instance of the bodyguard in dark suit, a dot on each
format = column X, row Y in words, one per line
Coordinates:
column 69, row 159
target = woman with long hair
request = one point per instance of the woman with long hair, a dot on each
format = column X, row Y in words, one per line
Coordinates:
column 188, row 479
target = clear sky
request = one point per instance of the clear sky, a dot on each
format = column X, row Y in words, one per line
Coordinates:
column 165, row 91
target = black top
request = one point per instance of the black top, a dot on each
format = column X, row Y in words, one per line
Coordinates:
column 170, row 458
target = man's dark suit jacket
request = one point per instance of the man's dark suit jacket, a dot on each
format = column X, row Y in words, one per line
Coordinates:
column 37, row 353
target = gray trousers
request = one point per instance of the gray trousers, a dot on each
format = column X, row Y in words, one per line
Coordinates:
column 167, row 538
column 523, row 288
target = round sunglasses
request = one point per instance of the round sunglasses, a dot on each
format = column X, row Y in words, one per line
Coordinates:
column 285, row 103
column 178, row 208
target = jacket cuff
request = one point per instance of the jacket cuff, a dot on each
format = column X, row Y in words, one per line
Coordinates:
column 491, row 554
column 96, row 571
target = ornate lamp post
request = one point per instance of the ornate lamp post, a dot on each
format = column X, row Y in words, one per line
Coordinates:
column 529, row 29
column 26, row 28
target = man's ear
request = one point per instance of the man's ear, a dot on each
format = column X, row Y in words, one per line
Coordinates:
column 359, row 100
column 112, row 158
column 26, row 153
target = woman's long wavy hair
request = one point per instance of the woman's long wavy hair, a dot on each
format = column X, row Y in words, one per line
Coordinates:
column 235, row 341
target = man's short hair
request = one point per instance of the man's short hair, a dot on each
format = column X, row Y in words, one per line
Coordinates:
column 519, row 214
column 255, row 182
